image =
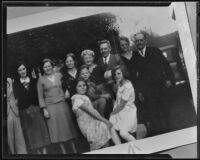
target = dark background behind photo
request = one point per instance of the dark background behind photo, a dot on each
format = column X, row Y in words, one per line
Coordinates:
column 58, row 39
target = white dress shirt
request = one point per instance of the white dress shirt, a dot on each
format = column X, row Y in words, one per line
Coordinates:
column 142, row 52
column 106, row 60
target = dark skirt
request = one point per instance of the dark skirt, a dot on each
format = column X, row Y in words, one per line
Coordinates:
column 61, row 124
column 34, row 128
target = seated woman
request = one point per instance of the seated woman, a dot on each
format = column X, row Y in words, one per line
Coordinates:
column 88, row 57
column 93, row 126
column 99, row 100
column 124, row 115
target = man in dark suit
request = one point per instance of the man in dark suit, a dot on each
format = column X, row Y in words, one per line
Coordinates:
column 154, row 79
column 108, row 61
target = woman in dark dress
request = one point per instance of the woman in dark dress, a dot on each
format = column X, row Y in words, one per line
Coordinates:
column 69, row 75
column 127, row 56
column 33, row 124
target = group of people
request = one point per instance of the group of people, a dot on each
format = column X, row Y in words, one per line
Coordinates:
column 118, row 98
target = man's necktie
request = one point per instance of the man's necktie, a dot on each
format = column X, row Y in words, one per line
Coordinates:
column 142, row 53
column 105, row 62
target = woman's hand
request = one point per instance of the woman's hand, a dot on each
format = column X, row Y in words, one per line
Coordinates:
column 168, row 83
column 46, row 113
column 141, row 97
column 108, row 74
column 113, row 113
column 109, row 124
column 67, row 94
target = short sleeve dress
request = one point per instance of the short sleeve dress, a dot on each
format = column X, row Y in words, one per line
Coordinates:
column 94, row 130
column 126, row 119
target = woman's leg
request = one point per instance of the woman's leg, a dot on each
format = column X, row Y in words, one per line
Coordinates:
column 20, row 144
column 44, row 150
column 38, row 151
column 106, row 145
column 125, row 135
column 63, row 148
column 73, row 146
column 100, row 106
column 10, row 130
column 115, row 138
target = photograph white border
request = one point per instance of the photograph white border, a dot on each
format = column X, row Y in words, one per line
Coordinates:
column 60, row 15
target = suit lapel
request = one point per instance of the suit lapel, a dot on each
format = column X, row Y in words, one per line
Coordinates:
column 101, row 61
column 110, row 62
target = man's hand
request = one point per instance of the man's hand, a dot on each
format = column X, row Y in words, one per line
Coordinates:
column 67, row 94
column 108, row 74
column 46, row 113
column 141, row 97
column 168, row 83
column 141, row 131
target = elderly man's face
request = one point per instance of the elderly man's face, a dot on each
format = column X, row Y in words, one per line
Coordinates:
column 105, row 49
column 140, row 41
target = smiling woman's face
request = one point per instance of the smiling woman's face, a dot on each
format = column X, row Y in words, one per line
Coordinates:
column 69, row 62
column 22, row 71
column 124, row 45
column 81, row 87
column 48, row 68
column 119, row 76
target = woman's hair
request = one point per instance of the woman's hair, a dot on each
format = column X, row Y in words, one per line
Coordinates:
column 78, row 80
column 18, row 64
column 123, row 38
column 70, row 55
column 123, row 70
column 87, row 52
column 81, row 68
column 45, row 60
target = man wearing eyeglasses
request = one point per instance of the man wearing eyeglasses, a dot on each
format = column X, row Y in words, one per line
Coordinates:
column 154, row 77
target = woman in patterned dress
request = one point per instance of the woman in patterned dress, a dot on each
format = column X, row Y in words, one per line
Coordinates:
column 93, row 126
column 124, row 115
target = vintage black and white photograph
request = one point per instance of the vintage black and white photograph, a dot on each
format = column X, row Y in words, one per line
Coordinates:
column 100, row 79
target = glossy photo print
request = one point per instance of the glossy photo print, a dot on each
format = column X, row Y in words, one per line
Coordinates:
column 100, row 80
